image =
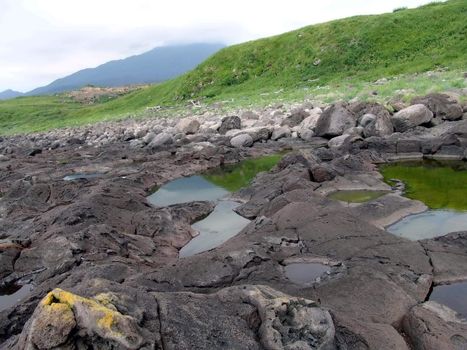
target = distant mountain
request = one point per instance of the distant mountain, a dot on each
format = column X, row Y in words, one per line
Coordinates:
column 157, row 65
column 7, row 94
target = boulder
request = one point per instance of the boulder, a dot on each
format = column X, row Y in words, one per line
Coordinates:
column 374, row 118
column 280, row 132
column 310, row 121
column 243, row 317
column 188, row 126
column 242, row 140
column 431, row 326
column 295, row 118
column 96, row 322
column 306, row 134
column 411, row 117
column 249, row 115
column 322, row 173
column 443, row 106
column 335, row 120
column 161, row 139
column 376, row 125
column 342, row 142
column 230, row 123
column 149, row 137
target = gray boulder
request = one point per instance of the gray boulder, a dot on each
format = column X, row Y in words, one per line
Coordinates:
column 249, row 115
column 95, row 321
column 335, row 120
column 431, row 326
column 306, row 134
column 380, row 126
column 259, row 133
column 280, row 132
column 242, row 140
column 149, row 137
column 443, row 106
column 411, row 117
column 161, row 139
column 310, row 121
column 230, row 123
column 188, row 126
column 295, row 118
column 374, row 118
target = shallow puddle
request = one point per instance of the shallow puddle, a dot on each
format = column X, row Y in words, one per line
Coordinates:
column 11, row 294
column 305, row 273
column 187, row 189
column 222, row 224
column 452, row 295
column 356, row 196
column 429, row 224
column 73, row 177
column 442, row 186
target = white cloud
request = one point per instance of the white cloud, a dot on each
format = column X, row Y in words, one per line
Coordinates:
column 42, row 40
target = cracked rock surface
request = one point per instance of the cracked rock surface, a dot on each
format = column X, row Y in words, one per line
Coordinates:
column 105, row 267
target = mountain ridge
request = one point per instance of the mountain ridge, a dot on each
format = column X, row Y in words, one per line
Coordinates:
column 154, row 66
column 9, row 93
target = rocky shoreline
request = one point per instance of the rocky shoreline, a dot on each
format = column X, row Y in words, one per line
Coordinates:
column 104, row 262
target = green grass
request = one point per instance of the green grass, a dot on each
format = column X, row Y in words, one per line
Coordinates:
column 437, row 184
column 234, row 177
column 352, row 52
column 356, row 196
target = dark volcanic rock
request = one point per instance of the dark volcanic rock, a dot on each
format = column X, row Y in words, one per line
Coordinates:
column 374, row 118
column 230, row 123
column 443, row 106
column 295, row 118
column 411, row 117
column 335, row 120
column 111, row 259
column 447, row 254
column 431, row 326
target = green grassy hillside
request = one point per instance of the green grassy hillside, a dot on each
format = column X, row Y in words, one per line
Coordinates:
column 347, row 51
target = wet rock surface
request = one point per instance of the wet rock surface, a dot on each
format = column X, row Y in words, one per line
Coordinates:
column 105, row 263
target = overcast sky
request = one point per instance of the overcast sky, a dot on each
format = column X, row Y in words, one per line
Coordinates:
column 42, row 40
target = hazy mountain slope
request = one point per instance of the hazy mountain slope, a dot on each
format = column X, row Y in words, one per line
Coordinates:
column 7, row 94
column 159, row 64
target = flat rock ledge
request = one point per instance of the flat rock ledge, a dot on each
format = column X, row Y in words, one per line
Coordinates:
column 104, row 263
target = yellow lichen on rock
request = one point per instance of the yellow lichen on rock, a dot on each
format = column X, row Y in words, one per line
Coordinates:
column 97, row 314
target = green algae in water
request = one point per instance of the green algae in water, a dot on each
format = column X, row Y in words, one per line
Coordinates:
column 213, row 185
column 440, row 185
column 234, row 177
column 356, row 196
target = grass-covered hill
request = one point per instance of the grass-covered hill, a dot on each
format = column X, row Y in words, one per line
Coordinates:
column 347, row 51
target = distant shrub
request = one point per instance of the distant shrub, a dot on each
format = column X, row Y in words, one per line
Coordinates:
column 399, row 9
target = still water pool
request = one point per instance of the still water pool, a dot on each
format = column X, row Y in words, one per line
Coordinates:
column 452, row 295
column 442, row 186
column 223, row 223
